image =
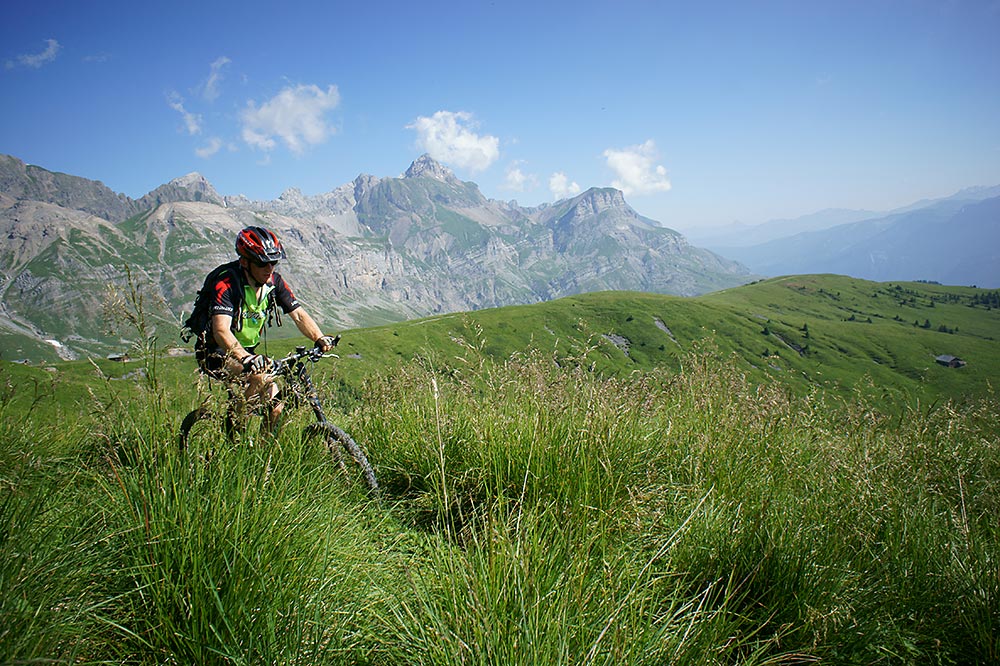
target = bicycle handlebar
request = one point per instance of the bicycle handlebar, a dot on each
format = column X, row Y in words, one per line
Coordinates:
column 282, row 365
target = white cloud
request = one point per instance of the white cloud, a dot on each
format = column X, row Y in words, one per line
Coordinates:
column 211, row 90
column 449, row 137
column 295, row 116
column 36, row 60
column 516, row 180
column 192, row 121
column 209, row 149
column 635, row 169
column 561, row 186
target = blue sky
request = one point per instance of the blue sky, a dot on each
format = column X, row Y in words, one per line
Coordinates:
column 702, row 113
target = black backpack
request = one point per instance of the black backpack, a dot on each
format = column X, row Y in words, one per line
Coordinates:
column 200, row 321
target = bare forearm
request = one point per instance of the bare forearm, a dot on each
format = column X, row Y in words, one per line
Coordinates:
column 307, row 325
column 225, row 339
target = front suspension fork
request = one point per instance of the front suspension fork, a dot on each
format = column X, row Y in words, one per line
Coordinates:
column 310, row 390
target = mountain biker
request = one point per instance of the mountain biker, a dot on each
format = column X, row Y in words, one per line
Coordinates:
column 241, row 301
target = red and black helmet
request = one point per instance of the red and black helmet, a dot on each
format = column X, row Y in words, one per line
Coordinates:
column 260, row 245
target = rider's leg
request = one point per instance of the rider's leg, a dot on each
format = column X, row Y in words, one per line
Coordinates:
column 272, row 420
column 216, row 365
column 262, row 390
column 259, row 390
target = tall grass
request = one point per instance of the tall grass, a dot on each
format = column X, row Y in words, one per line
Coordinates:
column 725, row 521
column 47, row 600
column 533, row 512
column 247, row 551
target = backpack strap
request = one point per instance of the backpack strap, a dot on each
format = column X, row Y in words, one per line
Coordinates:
column 273, row 311
column 233, row 270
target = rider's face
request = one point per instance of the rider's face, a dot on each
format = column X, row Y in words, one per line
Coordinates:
column 261, row 273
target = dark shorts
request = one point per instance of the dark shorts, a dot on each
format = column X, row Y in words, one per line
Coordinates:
column 212, row 362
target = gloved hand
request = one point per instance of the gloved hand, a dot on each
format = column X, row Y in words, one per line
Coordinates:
column 326, row 343
column 256, row 363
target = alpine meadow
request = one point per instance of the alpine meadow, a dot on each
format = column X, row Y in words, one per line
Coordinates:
column 778, row 473
column 564, row 333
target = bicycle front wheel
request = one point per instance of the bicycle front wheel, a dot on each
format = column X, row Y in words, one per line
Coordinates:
column 202, row 423
column 190, row 421
column 337, row 439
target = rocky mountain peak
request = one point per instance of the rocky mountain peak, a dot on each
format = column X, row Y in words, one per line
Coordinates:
column 193, row 180
column 195, row 183
column 426, row 166
column 191, row 187
column 292, row 195
column 600, row 212
column 364, row 184
column 598, row 199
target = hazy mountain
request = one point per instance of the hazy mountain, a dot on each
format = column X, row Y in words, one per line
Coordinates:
column 721, row 239
column 967, row 195
column 368, row 252
column 724, row 239
column 953, row 241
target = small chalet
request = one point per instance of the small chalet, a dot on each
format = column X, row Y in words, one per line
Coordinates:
column 950, row 361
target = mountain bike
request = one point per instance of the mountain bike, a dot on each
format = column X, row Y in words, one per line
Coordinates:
column 296, row 387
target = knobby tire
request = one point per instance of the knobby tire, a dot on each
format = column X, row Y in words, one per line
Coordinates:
column 193, row 417
column 200, row 414
column 335, row 438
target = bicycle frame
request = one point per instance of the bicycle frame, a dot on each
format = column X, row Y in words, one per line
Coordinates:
column 294, row 366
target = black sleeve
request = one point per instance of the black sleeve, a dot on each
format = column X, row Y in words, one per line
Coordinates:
column 283, row 295
column 222, row 300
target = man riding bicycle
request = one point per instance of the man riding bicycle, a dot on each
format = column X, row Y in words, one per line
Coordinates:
column 242, row 297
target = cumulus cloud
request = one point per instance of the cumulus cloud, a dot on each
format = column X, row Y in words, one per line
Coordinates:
column 36, row 60
column 450, row 137
column 209, row 149
column 635, row 169
column 561, row 186
column 295, row 116
column 516, row 180
column 211, row 89
column 192, row 121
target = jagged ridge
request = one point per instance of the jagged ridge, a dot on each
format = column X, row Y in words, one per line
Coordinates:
column 370, row 251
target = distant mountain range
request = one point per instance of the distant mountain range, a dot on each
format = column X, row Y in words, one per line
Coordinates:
column 371, row 251
column 954, row 240
column 739, row 234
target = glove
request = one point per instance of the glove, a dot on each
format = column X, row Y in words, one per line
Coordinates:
column 327, row 342
column 256, row 364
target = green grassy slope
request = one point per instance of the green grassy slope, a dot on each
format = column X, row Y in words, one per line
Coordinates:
column 891, row 332
column 803, row 331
